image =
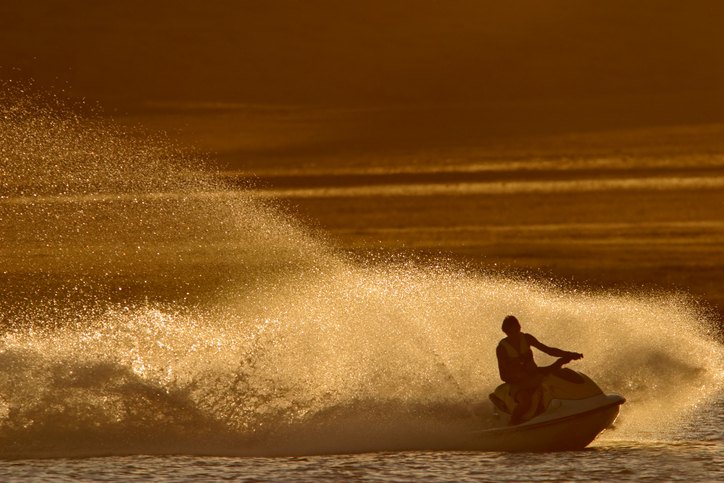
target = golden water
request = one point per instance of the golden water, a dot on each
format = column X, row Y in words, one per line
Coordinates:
column 148, row 308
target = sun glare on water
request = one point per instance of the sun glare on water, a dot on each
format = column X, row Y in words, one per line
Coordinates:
column 148, row 307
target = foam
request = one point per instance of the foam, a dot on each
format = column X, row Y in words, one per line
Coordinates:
column 151, row 309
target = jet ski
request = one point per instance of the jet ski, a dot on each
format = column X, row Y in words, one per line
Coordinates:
column 568, row 412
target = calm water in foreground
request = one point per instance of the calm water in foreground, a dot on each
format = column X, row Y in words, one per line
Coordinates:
column 695, row 453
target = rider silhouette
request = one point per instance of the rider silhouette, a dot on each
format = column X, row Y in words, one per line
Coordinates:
column 517, row 367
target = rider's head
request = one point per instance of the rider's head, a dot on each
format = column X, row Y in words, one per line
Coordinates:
column 511, row 325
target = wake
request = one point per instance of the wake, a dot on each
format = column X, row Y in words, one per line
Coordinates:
column 149, row 308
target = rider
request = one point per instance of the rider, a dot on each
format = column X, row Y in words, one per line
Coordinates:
column 517, row 367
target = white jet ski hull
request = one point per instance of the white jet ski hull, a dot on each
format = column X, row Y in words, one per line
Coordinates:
column 568, row 425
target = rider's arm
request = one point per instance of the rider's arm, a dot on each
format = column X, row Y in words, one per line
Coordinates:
column 552, row 351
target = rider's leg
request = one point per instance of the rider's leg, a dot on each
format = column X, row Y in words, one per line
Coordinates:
column 524, row 397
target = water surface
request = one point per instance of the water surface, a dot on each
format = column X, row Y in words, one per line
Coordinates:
column 150, row 309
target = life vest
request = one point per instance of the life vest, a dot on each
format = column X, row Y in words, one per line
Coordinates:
column 520, row 357
column 523, row 349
